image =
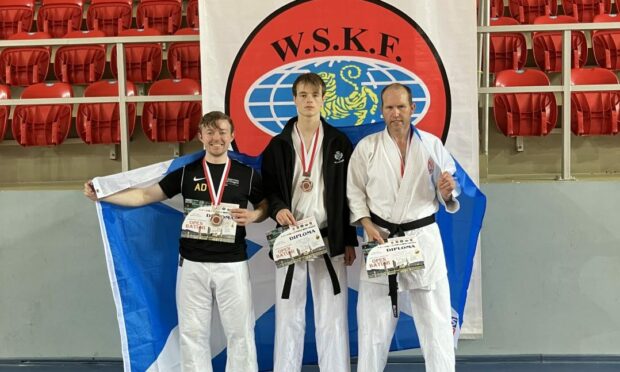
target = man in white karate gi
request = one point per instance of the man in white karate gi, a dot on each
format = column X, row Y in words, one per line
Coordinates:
column 396, row 180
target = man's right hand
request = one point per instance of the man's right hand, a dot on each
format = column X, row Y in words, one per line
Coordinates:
column 285, row 218
column 89, row 191
column 371, row 231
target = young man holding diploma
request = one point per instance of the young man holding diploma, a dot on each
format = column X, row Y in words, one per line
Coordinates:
column 304, row 172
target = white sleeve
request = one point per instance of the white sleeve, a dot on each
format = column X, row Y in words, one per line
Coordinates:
column 357, row 178
column 444, row 163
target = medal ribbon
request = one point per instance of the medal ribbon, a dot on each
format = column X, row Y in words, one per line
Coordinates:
column 216, row 198
column 314, row 144
column 403, row 157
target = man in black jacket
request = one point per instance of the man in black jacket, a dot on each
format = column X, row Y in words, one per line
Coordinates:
column 304, row 174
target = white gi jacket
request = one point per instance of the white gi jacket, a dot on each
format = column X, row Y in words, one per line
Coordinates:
column 374, row 184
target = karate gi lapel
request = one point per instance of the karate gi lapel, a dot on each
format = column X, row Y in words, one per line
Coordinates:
column 414, row 175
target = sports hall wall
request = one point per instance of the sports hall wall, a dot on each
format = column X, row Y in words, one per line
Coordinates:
column 549, row 273
column 549, row 248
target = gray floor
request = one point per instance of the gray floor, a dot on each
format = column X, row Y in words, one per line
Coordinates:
column 462, row 366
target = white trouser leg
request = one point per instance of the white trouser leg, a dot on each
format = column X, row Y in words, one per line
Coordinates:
column 290, row 320
column 376, row 326
column 233, row 295
column 432, row 315
column 194, row 306
column 330, row 315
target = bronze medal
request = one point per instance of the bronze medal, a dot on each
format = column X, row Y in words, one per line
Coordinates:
column 216, row 219
column 306, row 185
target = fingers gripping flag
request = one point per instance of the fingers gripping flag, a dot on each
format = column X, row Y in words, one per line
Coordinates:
column 141, row 246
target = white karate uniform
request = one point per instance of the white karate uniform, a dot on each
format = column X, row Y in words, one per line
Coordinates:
column 374, row 183
column 330, row 311
column 200, row 286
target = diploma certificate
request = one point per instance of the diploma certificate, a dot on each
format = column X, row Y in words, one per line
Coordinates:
column 199, row 221
column 296, row 243
column 401, row 254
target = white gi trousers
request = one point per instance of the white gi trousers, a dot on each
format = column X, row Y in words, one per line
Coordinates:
column 432, row 316
column 228, row 284
column 330, row 317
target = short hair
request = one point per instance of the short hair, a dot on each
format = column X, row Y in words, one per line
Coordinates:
column 210, row 120
column 309, row 78
column 395, row 86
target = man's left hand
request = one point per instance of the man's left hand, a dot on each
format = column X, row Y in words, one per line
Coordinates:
column 446, row 186
column 349, row 255
column 242, row 216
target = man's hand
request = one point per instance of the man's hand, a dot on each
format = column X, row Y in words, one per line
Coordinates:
column 371, row 231
column 285, row 218
column 243, row 217
column 349, row 255
column 89, row 191
column 446, row 186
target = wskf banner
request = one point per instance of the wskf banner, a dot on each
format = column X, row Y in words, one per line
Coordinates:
column 254, row 50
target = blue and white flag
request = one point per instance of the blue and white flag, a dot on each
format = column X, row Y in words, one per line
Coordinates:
column 141, row 247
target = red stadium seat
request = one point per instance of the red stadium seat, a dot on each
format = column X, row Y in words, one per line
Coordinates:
column 109, row 16
column 58, row 17
column 5, row 93
column 497, row 8
column 80, row 64
column 526, row 11
column 15, row 16
column 524, row 114
column 25, row 65
column 143, row 61
column 606, row 43
column 163, row 15
column 594, row 113
column 172, row 121
column 508, row 49
column 586, row 10
column 192, row 14
column 184, row 57
column 43, row 125
column 100, row 122
column 547, row 45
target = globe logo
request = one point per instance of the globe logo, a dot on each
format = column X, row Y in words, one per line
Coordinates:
column 352, row 96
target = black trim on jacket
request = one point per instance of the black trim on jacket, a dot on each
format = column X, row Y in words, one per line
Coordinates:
column 278, row 169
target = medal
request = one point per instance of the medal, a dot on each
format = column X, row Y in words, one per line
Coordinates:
column 216, row 198
column 216, row 219
column 306, row 183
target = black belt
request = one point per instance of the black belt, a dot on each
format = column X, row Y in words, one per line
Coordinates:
column 399, row 230
column 288, row 280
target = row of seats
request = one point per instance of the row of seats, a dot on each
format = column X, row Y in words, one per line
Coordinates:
column 84, row 64
column 99, row 123
column 59, row 17
column 526, row 11
column 535, row 113
column 509, row 49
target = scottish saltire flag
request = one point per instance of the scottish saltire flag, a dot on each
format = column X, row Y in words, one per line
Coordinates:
column 141, row 246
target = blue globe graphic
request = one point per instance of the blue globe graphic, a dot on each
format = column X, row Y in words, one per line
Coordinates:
column 352, row 97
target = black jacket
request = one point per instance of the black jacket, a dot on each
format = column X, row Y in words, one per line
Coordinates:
column 278, row 168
